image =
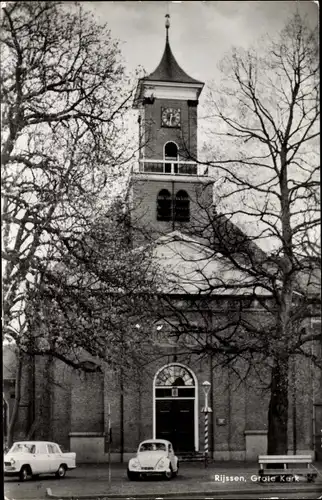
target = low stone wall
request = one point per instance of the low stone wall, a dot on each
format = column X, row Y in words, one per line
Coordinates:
column 88, row 446
column 256, row 444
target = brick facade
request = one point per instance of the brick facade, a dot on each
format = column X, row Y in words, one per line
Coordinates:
column 80, row 408
column 157, row 135
column 144, row 205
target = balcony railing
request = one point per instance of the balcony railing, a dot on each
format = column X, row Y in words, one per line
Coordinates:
column 168, row 167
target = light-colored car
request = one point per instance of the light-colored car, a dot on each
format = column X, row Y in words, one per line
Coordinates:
column 31, row 458
column 154, row 457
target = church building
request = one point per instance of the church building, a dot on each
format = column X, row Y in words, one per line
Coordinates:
column 171, row 202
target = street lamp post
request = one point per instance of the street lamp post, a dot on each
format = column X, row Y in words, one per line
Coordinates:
column 206, row 409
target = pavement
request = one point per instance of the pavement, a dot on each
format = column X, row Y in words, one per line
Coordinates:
column 227, row 480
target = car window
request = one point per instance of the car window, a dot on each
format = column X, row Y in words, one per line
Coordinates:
column 55, row 448
column 41, row 448
column 152, row 447
column 23, row 448
column 146, row 447
column 50, row 448
column 160, row 447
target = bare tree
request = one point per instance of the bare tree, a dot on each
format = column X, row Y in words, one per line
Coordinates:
column 62, row 131
column 96, row 300
column 63, row 145
column 266, row 168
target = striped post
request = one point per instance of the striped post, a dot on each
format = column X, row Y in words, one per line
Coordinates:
column 206, row 438
column 206, row 409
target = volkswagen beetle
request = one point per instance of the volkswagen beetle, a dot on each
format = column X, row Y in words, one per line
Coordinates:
column 154, row 457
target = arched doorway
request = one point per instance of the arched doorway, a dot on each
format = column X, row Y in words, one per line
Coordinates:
column 175, row 407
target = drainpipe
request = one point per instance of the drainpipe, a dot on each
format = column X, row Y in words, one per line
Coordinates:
column 121, row 416
column 173, row 207
column 294, row 406
column 211, row 406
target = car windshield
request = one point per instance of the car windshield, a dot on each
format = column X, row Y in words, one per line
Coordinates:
column 153, row 447
column 23, row 448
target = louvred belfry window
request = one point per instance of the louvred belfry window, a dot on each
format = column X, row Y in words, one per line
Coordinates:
column 164, row 205
column 182, row 206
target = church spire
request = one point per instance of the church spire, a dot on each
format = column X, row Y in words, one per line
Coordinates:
column 168, row 69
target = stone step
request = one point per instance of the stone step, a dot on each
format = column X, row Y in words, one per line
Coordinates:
column 191, row 456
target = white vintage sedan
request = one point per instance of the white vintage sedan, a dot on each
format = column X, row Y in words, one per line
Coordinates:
column 154, row 457
column 31, row 458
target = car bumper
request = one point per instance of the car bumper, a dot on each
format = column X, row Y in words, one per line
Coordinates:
column 149, row 472
column 11, row 473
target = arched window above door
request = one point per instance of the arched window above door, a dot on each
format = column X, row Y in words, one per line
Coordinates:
column 171, row 375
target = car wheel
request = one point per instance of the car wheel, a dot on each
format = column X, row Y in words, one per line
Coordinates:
column 24, row 473
column 168, row 475
column 132, row 476
column 61, row 472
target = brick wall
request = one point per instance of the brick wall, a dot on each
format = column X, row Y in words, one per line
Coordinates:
column 144, row 213
column 82, row 406
column 87, row 402
column 157, row 135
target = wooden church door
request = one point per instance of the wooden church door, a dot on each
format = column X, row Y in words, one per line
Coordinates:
column 175, row 407
column 175, row 422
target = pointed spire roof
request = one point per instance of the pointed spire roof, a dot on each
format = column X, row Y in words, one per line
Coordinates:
column 168, row 69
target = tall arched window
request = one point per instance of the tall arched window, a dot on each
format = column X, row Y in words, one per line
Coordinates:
column 171, row 157
column 182, row 206
column 164, row 205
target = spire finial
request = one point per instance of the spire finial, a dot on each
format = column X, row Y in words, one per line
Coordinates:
column 167, row 23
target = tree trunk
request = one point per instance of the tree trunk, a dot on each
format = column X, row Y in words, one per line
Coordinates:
column 15, row 410
column 32, row 429
column 277, row 440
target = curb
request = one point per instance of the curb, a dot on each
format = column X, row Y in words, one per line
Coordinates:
column 131, row 496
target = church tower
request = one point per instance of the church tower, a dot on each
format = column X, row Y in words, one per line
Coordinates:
column 169, row 190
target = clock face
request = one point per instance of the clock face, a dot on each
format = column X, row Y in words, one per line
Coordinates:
column 171, row 117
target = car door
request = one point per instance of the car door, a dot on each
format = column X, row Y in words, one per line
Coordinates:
column 56, row 457
column 50, row 459
column 35, row 460
column 40, row 461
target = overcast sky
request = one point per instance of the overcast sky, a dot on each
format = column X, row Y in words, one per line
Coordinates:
column 200, row 33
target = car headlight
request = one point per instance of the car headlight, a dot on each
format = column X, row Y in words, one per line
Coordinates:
column 12, row 461
column 135, row 464
column 162, row 464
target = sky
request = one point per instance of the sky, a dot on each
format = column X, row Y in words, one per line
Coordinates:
column 201, row 32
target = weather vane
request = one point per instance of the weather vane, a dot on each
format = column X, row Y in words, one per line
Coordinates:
column 167, row 18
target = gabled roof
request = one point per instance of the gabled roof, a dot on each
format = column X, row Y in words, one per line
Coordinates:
column 169, row 70
column 193, row 268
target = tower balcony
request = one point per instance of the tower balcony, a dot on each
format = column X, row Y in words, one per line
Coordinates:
column 169, row 167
